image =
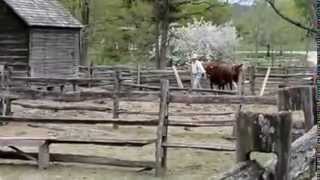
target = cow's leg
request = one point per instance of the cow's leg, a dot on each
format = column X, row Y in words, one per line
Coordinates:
column 235, row 84
column 211, row 84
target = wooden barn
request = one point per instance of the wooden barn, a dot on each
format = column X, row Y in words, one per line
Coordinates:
column 40, row 34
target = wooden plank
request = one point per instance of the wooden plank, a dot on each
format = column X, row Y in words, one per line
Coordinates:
column 285, row 75
column 177, row 77
column 20, row 152
column 108, row 142
column 43, row 156
column 180, row 89
column 21, row 142
column 214, row 99
column 60, row 80
column 223, row 123
column 265, row 81
column 65, row 107
column 26, row 93
column 178, row 113
column 124, row 122
column 162, row 130
column 209, row 147
column 72, row 158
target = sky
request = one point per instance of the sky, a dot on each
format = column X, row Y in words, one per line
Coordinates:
column 242, row 2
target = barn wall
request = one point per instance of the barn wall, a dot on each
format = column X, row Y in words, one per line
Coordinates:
column 54, row 52
column 13, row 37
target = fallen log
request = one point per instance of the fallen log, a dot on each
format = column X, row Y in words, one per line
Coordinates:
column 71, row 158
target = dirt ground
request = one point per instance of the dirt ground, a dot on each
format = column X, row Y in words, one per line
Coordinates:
column 183, row 164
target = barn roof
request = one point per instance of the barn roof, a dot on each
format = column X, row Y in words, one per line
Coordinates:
column 48, row 13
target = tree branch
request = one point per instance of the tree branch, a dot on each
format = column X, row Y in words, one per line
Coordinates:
column 298, row 24
column 195, row 2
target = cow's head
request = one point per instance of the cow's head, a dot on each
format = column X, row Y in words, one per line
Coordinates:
column 237, row 68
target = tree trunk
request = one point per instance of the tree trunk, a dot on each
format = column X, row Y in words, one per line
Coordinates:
column 164, row 44
column 161, row 9
column 268, row 50
column 156, row 10
column 85, row 16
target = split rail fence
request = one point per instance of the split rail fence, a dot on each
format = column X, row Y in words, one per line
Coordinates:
column 142, row 78
column 289, row 99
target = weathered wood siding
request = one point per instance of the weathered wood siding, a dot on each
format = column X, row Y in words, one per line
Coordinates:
column 13, row 37
column 54, row 52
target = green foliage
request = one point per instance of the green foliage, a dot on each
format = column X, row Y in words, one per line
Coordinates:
column 259, row 26
column 210, row 10
column 303, row 8
column 122, row 31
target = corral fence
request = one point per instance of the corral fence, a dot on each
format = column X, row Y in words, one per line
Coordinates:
column 288, row 99
column 256, row 79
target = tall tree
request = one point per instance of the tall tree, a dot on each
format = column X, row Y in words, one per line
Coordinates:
column 169, row 11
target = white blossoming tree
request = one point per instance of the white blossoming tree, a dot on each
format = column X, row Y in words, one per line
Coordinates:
column 204, row 39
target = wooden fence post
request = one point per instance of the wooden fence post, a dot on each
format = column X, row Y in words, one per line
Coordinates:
column 115, row 97
column 286, row 72
column 90, row 71
column 44, row 156
column 308, row 108
column 252, row 79
column 162, row 131
column 28, row 74
column 265, row 133
column 298, row 98
column 178, row 79
column 265, row 81
column 3, row 75
column 240, row 93
column 241, row 82
column 5, row 106
column 8, row 76
column 139, row 75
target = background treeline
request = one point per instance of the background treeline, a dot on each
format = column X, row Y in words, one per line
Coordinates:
column 124, row 31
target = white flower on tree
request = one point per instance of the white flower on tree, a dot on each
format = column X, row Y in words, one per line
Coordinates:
column 204, row 39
